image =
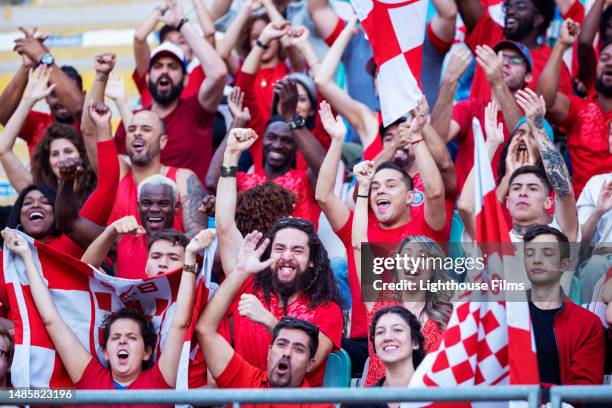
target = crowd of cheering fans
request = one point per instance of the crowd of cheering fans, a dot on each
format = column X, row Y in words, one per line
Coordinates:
column 252, row 132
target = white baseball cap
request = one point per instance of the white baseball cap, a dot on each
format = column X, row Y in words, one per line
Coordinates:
column 168, row 48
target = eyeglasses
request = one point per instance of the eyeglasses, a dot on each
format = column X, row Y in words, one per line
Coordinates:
column 512, row 59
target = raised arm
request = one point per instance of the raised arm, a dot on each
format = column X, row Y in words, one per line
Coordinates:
column 11, row 96
column 433, row 186
column 443, row 22
column 364, row 172
column 334, row 208
column 142, row 52
column 211, row 90
column 185, row 300
column 593, row 210
column 191, row 193
column 554, row 165
column 470, row 12
column 72, row 353
column 298, row 39
column 272, row 31
column 495, row 137
column 313, row 152
column 557, row 104
column 585, row 50
column 98, row 250
column 442, row 113
column 492, row 65
column 217, row 351
column 230, row 238
column 323, row 17
column 442, row 157
column 36, row 90
column 361, row 118
column 104, row 64
column 66, row 89
column 204, row 20
column 115, row 90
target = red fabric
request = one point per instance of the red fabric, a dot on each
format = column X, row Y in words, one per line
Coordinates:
column 575, row 12
column 194, row 81
column 487, row 32
column 580, row 341
column 463, row 113
column 376, row 369
column 251, row 339
column 337, row 30
column 127, row 200
column 189, row 130
column 97, row 377
column 295, row 181
column 587, row 127
column 132, row 254
column 439, row 44
column 35, row 126
column 240, row 374
column 95, row 209
column 359, row 319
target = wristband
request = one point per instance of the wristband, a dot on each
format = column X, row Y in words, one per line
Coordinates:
column 261, row 45
column 231, row 171
column 190, row 268
column 415, row 142
column 181, row 23
column 363, row 196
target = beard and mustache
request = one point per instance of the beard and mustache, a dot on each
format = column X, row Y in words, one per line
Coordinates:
column 286, row 289
column 165, row 98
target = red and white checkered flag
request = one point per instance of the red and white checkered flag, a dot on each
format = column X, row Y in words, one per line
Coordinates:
column 395, row 29
column 83, row 296
column 485, row 342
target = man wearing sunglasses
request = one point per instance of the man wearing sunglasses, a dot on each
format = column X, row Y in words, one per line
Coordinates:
column 508, row 67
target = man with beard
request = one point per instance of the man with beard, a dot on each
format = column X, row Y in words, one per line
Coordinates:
column 299, row 282
column 295, row 346
column 587, row 122
column 508, row 68
column 526, row 21
column 189, row 121
column 65, row 101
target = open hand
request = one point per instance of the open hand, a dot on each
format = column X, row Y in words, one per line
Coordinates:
column 334, row 127
column 250, row 254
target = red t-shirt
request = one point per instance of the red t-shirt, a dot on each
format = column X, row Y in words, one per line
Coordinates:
column 194, row 81
column 295, row 181
column 359, row 320
column 35, row 126
column 587, row 127
column 126, row 202
column 463, row 113
column 189, row 130
column 132, row 254
column 97, row 377
column 251, row 340
column 488, row 32
column 240, row 374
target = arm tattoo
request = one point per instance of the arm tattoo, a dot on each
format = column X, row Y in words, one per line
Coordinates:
column 193, row 220
column 538, row 121
column 555, row 168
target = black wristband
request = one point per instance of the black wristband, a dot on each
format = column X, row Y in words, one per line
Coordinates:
column 363, row 196
column 261, row 45
column 181, row 23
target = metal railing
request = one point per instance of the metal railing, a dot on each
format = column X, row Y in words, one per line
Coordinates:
column 580, row 393
column 530, row 394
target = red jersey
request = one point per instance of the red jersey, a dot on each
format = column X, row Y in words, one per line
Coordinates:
column 35, row 126
column 463, row 113
column 189, row 130
column 488, row 32
column 127, row 200
column 587, row 127
column 359, row 321
column 194, row 81
column 97, row 377
column 240, row 374
column 295, row 181
column 251, row 339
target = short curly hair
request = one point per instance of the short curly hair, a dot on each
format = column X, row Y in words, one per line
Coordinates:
column 259, row 207
column 147, row 330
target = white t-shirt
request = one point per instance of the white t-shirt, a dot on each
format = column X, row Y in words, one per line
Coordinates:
column 586, row 206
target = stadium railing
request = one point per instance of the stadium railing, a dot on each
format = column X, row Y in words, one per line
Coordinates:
column 529, row 394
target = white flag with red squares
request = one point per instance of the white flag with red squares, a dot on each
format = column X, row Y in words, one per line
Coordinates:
column 485, row 342
column 83, row 297
column 396, row 30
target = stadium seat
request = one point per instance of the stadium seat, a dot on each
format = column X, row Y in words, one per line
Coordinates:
column 338, row 370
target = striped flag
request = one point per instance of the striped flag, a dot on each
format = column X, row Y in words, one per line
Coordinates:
column 396, row 30
column 83, row 296
column 486, row 342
